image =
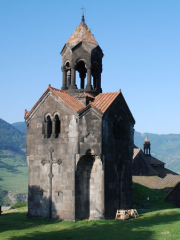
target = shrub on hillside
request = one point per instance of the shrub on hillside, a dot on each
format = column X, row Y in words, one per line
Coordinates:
column 19, row 204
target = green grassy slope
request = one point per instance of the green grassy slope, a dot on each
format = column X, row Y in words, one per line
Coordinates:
column 161, row 222
column 156, row 197
column 13, row 172
column 13, row 165
column 151, row 225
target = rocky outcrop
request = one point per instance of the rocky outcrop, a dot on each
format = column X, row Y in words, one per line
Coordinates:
column 23, row 197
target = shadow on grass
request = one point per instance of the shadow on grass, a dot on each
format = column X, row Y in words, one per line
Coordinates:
column 141, row 228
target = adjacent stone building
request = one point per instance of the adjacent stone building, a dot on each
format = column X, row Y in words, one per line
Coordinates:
column 79, row 141
column 144, row 164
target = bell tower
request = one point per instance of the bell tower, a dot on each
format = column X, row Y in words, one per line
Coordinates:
column 82, row 54
column 147, row 146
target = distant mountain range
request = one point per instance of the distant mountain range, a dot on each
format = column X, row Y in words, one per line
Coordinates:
column 165, row 147
column 21, row 126
column 11, row 137
column 14, row 169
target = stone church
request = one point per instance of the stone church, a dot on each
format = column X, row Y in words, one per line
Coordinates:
column 79, row 141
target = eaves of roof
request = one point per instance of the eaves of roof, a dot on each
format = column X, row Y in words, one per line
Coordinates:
column 152, row 160
column 136, row 151
column 101, row 102
column 72, row 102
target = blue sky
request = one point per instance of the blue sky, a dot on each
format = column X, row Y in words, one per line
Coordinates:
column 141, row 44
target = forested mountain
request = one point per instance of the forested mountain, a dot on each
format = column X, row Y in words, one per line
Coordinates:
column 11, row 138
column 21, row 126
column 165, row 147
column 14, row 169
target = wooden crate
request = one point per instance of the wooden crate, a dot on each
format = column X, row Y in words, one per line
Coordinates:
column 122, row 214
column 126, row 214
column 133, row 213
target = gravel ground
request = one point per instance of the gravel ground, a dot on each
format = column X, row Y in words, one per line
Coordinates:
column 4, row 208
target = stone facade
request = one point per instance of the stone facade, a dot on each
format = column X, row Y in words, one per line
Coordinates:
column 79, row 142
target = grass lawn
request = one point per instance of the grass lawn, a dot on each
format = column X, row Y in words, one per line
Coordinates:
column 153, row 225
column 13, row 172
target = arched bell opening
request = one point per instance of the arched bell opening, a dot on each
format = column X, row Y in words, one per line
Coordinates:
column 95, row 74
column 81, row 71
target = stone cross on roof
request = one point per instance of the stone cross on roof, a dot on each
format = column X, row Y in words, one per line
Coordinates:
column 83, row 8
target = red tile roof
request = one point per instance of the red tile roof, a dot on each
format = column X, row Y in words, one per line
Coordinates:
column 81, row 33
column 147, row 181
column 136, row 152
column 168, row 182
column 104, row 100
column 101, row 102
column 71, row 101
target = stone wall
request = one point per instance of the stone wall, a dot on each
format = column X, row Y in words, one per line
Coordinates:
column 140, row 165
column 89, row 171
column 173, row 197
column 64, row 149
column 118, row 154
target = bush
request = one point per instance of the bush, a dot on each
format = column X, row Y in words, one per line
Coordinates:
column 19, row 204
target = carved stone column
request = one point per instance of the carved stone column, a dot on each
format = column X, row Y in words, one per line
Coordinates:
column 68, row 78
column 88, row 86
column 64, row 83
column 73, row 78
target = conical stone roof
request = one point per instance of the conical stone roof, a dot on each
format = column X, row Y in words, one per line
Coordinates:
column 147, row 139
column 81, row 33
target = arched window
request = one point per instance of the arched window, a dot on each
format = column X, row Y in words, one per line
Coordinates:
column 57, row 126
column 49, row 127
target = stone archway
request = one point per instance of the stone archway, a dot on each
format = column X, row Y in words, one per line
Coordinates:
column 89, row 197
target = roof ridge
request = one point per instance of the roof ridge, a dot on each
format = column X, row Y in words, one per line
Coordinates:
column 80, row 34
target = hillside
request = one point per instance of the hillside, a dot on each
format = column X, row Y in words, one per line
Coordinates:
column 21, row 126
column 11, row 138
column 14, row 169
column 13, row 166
